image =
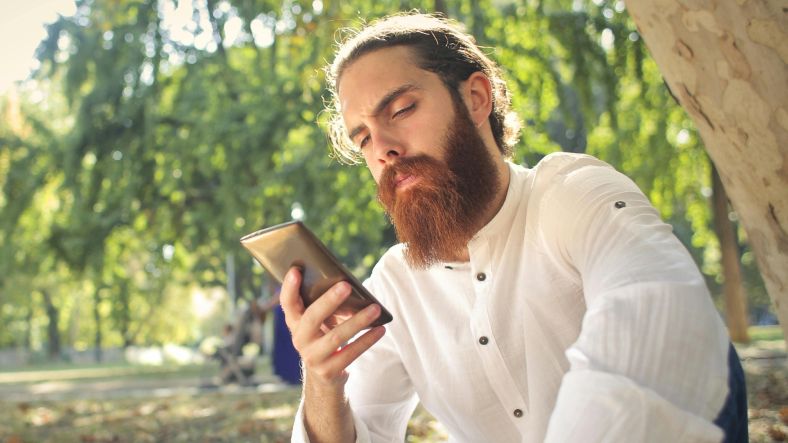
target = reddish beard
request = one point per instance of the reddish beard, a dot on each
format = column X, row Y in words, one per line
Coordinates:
column 438, row 215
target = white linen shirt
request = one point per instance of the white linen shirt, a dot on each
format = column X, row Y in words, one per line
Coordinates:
column 579, row 317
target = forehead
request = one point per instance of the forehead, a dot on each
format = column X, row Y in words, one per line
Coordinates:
column 373, row 75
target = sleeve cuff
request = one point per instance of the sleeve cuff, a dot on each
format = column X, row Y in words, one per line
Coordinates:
column 299, row 430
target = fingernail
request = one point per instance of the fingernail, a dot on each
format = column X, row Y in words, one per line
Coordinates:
column 372, row 310
column 342, row 289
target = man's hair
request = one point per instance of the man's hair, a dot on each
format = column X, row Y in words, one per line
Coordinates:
column 440, row 46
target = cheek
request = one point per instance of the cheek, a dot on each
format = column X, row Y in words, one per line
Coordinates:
column 375, row 170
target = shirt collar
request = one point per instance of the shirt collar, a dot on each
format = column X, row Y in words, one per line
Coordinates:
column 503, row 219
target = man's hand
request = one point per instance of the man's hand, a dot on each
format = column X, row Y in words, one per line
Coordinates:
column 326, row 413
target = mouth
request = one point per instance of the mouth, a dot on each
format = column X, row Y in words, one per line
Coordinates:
column 404, row 181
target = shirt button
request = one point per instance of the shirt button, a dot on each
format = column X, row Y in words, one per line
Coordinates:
column 518, row 413
column 481, row 276
column 483, row 340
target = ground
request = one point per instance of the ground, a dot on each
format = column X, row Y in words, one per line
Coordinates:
column 176, row 404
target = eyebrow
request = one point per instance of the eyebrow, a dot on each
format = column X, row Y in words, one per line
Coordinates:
column 383, row 103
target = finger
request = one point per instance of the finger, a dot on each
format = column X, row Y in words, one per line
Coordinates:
column 342, row 358
column 340, row 335
column 290, row 298
column 325, row 306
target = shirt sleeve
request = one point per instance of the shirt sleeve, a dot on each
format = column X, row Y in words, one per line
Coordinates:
column 299, row 434
column 650, row 363
column 379, row 391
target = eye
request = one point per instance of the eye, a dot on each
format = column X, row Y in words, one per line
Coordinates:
column 363, row 142
column 404, row 111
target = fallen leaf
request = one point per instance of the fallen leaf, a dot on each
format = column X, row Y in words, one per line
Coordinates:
column 243, row 404
column 247, row 427
column 776, row 433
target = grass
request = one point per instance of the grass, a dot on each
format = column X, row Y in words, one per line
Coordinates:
column 765, row 333
column 231, row 414
column 88, row 373
column 249, row 415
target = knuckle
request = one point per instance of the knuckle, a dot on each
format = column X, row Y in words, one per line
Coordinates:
column 335, row 339
column 301, row 345
column 308, row 361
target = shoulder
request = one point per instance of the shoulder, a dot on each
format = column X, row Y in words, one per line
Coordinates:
column 574, row 193
column 565, row 180
column 558, row 165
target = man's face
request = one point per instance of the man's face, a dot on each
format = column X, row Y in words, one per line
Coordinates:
column 392, row 108
column 434, row 173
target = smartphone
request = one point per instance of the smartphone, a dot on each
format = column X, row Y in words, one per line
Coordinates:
column 283, row 246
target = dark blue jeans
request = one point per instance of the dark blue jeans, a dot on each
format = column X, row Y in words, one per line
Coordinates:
column 733, row 416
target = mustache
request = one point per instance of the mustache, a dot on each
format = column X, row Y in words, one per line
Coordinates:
column 418, row 165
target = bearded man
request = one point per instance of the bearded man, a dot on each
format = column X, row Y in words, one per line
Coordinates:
column 537, row 304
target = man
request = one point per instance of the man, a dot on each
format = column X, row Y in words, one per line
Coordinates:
column 529, row 304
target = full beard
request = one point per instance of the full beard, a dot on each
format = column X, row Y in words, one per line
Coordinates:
column 438, row 215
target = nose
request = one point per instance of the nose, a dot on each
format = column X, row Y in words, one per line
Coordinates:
column 386, row 148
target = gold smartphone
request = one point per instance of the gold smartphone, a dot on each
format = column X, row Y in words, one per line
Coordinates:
column 283, row 246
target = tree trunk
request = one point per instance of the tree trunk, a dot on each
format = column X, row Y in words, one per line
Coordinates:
column 73, row 326
column 231, row 288
column 53, row 328
column 735, row 300
column 124, row 314
column 97, row 354
column 28, row 339
column 725, row 61
column 440, row 7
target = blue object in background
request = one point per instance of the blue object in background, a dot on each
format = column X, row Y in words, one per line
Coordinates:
column 286, row 361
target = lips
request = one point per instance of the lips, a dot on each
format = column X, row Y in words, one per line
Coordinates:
column 403, row 181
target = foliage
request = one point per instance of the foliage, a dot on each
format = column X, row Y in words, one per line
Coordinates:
column 157, row 132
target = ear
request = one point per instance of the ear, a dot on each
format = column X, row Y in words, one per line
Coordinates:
column 478, row 97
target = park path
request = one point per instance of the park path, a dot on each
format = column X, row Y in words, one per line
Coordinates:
column 94, row 383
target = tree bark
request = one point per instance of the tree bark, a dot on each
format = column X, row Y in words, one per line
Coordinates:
column 725, row 61
column 735, row 299
column 53, row 328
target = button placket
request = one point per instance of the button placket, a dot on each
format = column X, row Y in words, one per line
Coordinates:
column 496, row 372
column 482, row 289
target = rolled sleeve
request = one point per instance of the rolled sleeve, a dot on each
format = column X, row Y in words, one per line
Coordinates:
column 299, row 434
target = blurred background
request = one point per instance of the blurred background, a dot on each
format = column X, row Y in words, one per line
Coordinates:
column 140, row 139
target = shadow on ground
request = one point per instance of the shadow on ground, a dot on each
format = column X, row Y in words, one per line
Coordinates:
column 119, row 405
